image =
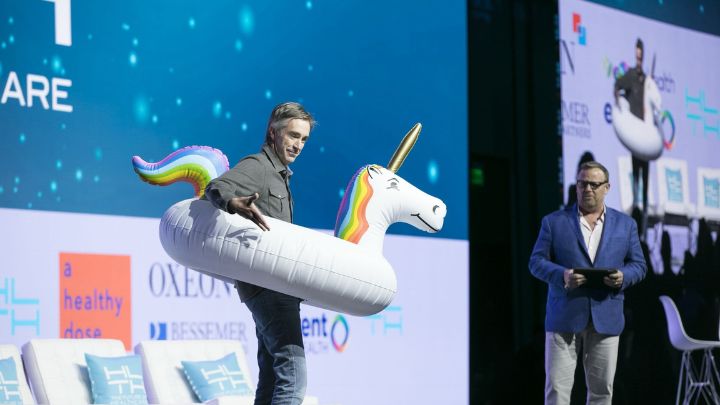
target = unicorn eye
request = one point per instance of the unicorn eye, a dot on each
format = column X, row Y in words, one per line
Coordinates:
column 393, row 185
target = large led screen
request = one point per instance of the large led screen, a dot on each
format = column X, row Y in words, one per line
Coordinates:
column 86, row 85
column 660, row 140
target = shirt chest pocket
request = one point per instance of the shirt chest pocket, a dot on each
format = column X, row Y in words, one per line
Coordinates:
column 278, row 201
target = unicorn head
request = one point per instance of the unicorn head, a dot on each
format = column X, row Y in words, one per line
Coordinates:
column 377, row 197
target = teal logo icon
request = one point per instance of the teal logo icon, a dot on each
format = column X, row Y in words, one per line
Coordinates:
column 20, row 312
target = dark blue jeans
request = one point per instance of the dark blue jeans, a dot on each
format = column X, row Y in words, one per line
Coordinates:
column 281, row 354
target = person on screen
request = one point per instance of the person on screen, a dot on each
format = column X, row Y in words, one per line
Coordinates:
column 260, row 185
column 584, row 321
column 587, row 156
column 631, row 85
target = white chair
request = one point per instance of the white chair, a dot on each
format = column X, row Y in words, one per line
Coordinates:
column 693, row 381
column 57, row 370
column 165, row 381
column 26, row 397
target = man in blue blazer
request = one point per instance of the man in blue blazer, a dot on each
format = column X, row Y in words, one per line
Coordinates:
column 582, row 319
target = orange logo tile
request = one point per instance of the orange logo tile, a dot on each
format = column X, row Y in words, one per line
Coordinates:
column 95, row 297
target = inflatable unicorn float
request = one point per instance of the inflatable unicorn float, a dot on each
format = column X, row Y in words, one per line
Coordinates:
column 345, row 273
column 644, row 138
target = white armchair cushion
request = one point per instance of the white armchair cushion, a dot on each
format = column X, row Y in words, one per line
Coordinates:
column 10, row 351
column 57, row 370
column 165, row 381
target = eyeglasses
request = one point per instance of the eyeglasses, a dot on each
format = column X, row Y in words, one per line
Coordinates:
column 582, row 184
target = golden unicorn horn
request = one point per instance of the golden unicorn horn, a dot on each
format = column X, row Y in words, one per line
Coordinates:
column 405, row 147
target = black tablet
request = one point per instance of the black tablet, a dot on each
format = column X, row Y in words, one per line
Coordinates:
column 594, row 276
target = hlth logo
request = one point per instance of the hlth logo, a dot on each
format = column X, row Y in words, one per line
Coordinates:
column 63, row 26
column 389, row 320
column 19, row 309
column 705, row 119
column 123, row 377
column 579, row 29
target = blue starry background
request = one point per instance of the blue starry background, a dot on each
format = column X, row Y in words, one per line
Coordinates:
column 151, row 77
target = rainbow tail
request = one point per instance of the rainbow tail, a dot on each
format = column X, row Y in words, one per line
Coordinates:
column 196, row 165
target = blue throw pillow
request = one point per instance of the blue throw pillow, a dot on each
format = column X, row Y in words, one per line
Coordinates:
column 116, row 380
column 9, row 384
column 212, row 379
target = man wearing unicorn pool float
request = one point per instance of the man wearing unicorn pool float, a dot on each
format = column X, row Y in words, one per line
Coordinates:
column 259, row 185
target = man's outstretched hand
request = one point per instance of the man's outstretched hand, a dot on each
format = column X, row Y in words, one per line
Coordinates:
column 245, row 206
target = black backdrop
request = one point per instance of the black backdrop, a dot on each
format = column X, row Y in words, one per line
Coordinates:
column 515, row 162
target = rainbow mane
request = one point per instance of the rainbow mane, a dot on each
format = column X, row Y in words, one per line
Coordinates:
column 196, row 165
column 351, row 222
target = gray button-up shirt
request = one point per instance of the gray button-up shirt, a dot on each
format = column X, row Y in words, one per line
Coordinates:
column 261, row 173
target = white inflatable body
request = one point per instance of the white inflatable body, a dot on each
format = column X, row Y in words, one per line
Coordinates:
column 643, row 138
column 325, row 271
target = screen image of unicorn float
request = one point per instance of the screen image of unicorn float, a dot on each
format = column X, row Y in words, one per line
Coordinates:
column 639, row 96
column 640, row 128
column 346, row 273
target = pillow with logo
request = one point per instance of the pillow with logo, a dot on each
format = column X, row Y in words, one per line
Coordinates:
column 9, row 384
column 216, row 378
column 116, row 380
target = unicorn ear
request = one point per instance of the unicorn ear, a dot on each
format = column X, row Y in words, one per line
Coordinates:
column 405, row 147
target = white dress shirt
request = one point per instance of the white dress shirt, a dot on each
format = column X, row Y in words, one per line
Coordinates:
column 592, row 235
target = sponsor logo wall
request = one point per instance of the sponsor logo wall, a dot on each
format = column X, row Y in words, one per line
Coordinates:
column 107, row 276
column 596, row 44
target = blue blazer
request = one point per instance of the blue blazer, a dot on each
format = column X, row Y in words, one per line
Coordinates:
column 560, row 245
